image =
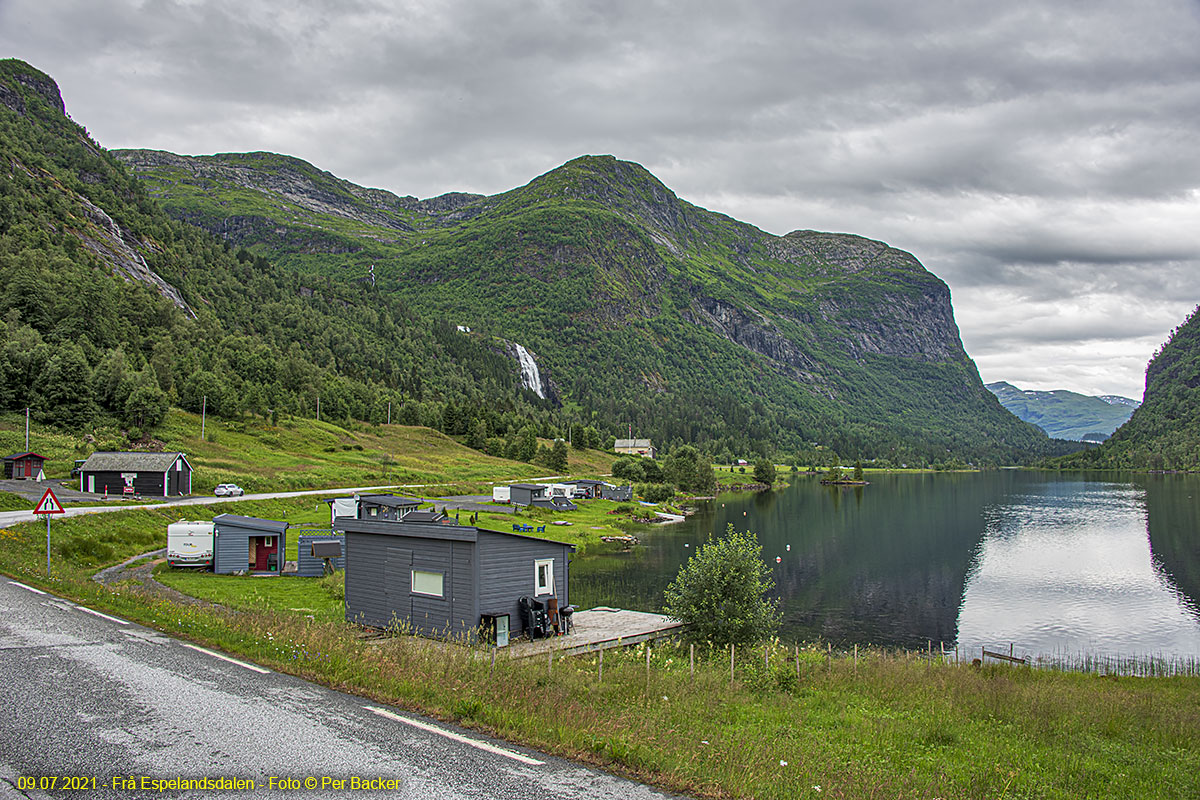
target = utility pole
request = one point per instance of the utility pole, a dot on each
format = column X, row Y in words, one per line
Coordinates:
column 27, row 431
column 203, row 414
column 389, row 412
column 318, row 408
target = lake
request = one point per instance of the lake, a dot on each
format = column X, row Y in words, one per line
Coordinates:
column 1054, row 564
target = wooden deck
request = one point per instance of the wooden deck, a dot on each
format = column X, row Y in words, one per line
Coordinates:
column 600, row 628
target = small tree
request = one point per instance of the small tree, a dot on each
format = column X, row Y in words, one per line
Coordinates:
column 477, row 434
column 858, row 474
column 557, row 460
column 764, row 472
column 719, row 592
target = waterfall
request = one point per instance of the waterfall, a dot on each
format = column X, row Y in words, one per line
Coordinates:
column 530, row 376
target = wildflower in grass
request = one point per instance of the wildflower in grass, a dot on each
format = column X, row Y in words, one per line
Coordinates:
column 782, row 763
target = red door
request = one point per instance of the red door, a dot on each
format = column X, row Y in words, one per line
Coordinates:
column 266, row 545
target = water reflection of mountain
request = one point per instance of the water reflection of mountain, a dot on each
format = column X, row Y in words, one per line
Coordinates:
column 1173, row 519
column 885, row 564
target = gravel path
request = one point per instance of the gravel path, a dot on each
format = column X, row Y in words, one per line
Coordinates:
column 143, row 574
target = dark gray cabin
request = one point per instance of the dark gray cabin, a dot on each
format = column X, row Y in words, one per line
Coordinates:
column 523, row 494
column 438, row 578
column 372, row 506
column 310, row 560
column 145, row 474
column 248, row 544
column 620, row 494
column 385, row 506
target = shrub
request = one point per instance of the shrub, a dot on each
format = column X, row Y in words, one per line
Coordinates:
column 656, row 492
column 718, row 593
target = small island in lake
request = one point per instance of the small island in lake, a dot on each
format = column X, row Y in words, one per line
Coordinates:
column 836, row 476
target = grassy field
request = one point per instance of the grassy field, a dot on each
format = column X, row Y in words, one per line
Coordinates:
column 304, row 454
column 789, row 723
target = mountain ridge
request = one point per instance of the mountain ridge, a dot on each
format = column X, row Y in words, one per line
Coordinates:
column 808, row 337
column 1064, row 414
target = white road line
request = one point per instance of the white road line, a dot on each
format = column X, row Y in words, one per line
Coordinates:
column 458, row 737
column 253, row 667
column 30, row 588
column 102, row 616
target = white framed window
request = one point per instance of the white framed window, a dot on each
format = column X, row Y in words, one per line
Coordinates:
column 543, row 576
column 269, row 541
column 429, row 583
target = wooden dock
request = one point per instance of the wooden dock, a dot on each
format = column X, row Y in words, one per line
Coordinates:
column 599, row 628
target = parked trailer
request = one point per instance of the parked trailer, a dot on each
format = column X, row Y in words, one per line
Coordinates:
column 190, row 544
column 501, row 494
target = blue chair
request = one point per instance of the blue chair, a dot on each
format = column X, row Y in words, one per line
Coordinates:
column 516, row 527
column 541, row 529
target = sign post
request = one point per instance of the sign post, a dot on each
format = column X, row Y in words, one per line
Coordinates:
column 47, row 506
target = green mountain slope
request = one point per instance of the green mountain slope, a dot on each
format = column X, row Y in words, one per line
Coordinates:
column 1164, row 432
column 111, row 309
column 685, row 324
column 1066, row 415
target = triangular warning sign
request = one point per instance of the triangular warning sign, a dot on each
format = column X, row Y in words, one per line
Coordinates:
column 49, row 504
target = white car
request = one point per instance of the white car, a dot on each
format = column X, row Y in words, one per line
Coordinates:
column 228, row 490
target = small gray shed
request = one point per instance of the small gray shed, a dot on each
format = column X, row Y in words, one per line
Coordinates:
column 248, row 543
column 441, row 578
column 311, row 552
column 523, row 494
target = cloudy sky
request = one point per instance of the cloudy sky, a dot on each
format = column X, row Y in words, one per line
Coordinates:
column 1041, row 158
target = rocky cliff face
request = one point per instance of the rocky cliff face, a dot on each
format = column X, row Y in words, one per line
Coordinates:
column 30, row 93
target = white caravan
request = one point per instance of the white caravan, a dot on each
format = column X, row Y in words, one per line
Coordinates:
column 190, row 544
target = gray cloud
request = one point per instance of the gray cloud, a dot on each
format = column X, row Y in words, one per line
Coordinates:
column 1038, row 156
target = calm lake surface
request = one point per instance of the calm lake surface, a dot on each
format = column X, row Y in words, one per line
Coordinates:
column 1055, row 564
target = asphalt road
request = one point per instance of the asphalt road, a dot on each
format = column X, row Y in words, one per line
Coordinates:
column 89, row 696
column 13, row 517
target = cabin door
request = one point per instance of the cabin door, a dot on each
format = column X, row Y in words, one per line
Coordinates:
column 397, row 583
column 262, row 547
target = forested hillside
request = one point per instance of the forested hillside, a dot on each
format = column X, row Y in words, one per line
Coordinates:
column 686, row 325
column 110, row 309
column 1164, row 432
